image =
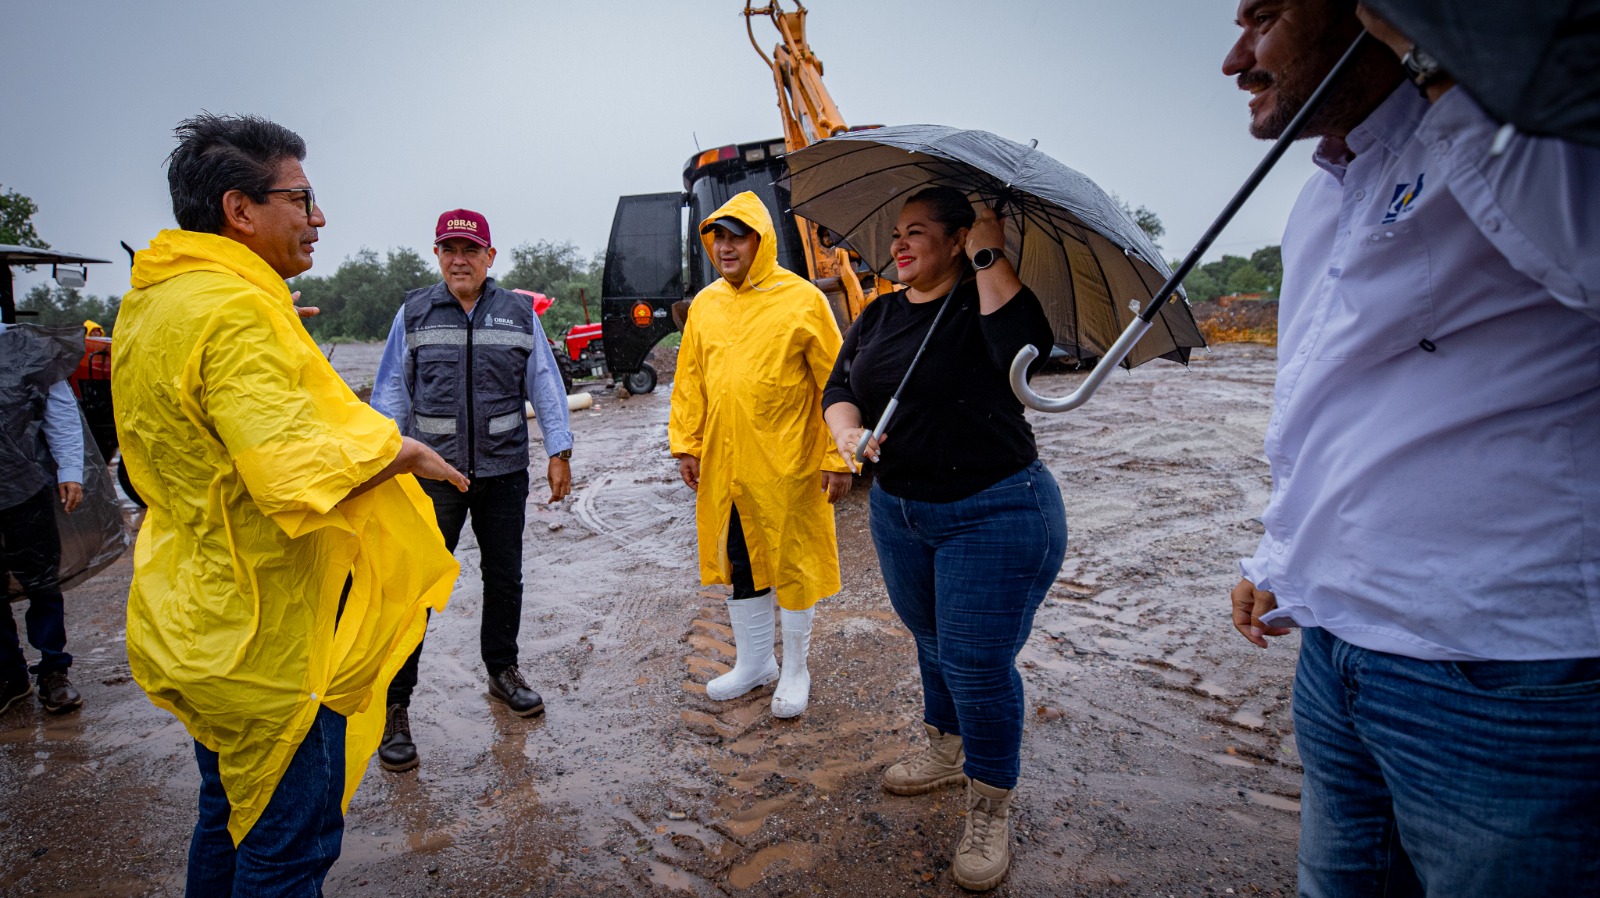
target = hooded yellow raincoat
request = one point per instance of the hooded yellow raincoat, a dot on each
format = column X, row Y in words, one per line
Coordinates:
column 747, row 401
column 244, row 440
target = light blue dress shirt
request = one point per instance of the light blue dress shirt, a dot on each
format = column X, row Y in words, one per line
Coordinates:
column 63, row 430
column 1435, row 436
column 391, row 395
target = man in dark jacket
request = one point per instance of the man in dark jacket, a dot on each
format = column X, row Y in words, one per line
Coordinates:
column 36, row 402
column 463, row 357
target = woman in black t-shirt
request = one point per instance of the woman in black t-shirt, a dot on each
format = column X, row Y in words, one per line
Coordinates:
column 969, row 525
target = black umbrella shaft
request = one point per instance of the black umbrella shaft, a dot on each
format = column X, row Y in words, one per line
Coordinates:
column 894, row 401
column 948, row 298
column 1290, row 135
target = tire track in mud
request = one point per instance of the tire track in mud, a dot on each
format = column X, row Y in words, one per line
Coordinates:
column 1145, row 618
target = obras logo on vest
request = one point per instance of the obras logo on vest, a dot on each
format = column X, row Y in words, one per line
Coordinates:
column 504, row 322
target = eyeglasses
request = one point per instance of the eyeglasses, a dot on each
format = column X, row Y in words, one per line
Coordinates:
column 309, row 195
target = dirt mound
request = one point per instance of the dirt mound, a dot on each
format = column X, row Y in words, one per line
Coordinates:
column 1240, row 321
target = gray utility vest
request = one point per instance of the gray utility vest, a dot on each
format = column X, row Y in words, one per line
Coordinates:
column 31, row 360
column 468, row 377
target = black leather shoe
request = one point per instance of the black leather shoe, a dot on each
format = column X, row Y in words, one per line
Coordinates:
column 509, row 688
column 397, row 752
column 13, row 690
column 56, row 694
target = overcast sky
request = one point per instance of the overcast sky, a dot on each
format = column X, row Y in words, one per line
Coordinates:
column 540, row 114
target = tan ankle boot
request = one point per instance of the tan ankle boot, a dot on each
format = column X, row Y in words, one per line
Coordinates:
column 984, row 853
column 938, row 765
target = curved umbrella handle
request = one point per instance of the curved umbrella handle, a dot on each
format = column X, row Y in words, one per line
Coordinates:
column 1113, row 357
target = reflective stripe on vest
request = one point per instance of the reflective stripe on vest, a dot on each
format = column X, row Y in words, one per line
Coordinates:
column 438, row 336
column 438, row 426
column 510, row 421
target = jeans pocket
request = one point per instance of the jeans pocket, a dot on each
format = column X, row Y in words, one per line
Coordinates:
column 1563, row 678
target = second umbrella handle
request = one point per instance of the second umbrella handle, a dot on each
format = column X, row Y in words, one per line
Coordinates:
column 874, row 433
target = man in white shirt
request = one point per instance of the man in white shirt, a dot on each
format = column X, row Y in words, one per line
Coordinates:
column 1434, row 526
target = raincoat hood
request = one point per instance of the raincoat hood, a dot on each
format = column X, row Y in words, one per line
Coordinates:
column 748, row 208
column 747, row 402
column 175, row 252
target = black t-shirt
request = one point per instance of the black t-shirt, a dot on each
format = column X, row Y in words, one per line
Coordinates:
column 958, row 428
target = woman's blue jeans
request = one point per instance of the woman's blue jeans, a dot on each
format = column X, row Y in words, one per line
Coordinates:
column 291, row 848
column 966, row 578
column 1459, row 779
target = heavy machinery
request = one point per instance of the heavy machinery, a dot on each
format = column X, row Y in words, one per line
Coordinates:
column 647, row 285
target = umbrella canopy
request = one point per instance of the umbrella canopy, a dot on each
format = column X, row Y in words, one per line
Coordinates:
column 1072, row 244
column 1535, row 65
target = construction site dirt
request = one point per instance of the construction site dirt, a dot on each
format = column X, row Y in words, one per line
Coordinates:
column 1158, row 755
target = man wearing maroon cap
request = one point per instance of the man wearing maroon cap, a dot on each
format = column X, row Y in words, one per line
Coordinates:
column 462, row 358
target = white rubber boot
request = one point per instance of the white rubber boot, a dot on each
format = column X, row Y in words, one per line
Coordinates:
column 753, row 664
column 794, row 689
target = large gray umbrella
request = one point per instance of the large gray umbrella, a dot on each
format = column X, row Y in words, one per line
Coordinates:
column 1091, row 267
column 1534, row 65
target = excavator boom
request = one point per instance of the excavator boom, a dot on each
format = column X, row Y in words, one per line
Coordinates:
column 809, row 114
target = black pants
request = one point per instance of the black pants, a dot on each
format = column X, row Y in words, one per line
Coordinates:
column 30, row 547
column 744, row 580
column 498, row 506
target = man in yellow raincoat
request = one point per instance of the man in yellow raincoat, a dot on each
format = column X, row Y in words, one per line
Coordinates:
column 747, row 430
column 283, row 569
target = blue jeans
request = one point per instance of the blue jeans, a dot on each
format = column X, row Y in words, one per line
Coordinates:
column 291, row 848
column 1446, row 778
column 966, row 578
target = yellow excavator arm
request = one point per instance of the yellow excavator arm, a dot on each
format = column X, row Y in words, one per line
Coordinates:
column 809, row 115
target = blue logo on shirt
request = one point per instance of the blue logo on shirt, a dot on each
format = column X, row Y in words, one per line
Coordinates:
column 1400, row 203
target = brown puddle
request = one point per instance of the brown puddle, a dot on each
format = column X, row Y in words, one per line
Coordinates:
column 747, row 874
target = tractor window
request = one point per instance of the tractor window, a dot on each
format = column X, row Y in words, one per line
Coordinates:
column 642, row 259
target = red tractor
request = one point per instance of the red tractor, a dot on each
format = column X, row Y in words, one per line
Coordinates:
column 582, row 353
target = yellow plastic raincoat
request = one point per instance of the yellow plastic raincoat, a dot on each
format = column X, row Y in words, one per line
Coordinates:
column 747, row 401
column 243, row 440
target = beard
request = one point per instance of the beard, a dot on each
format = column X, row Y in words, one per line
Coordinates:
column 1362, row 87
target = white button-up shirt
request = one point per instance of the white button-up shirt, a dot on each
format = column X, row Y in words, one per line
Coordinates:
column 1435, row 436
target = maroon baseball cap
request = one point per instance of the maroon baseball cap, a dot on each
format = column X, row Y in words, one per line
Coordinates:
column 463, row 223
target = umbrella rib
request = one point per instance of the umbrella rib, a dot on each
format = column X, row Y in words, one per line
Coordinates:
column 817, row 198
column 1160, row 314
column 874, row 173
column 1048, row 216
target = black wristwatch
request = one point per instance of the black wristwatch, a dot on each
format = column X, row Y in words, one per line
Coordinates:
column 1421, row 67
column 987, row 256
column 564, row 455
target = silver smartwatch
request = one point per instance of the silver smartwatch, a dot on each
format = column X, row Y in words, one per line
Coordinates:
column 987, row 256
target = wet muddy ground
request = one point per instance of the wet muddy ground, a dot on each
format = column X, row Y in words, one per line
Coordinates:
column 1158, row 755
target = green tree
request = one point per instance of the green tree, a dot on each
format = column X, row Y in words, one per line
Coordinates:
column 1261, row 273
column 1147, row 220
column 58, row 306
column 561, row 272
column 1269, row 261
column 359, row 300
column 16, row 220
column 1200, row 286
